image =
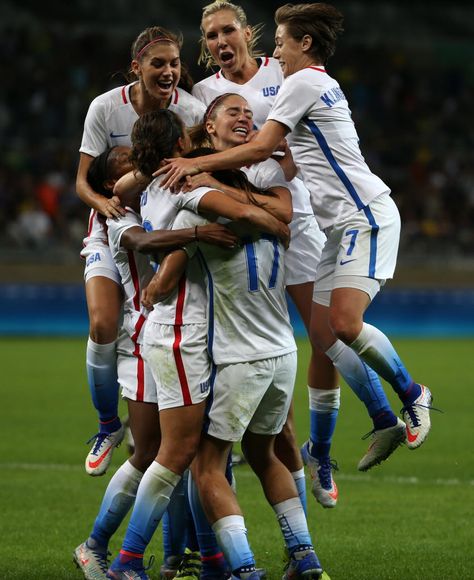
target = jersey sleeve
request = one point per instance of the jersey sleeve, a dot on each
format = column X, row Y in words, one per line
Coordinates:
column 188, row 219
column 191, row 199
column 116, row 227
column 267, row 174
column 293, row 102
column 94, row 137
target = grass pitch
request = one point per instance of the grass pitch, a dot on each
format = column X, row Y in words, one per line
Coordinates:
column 408, row 519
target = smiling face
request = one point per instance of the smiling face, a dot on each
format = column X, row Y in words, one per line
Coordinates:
column 231, row 123
column 292, row 54
column 227, row 40
column 159, row 70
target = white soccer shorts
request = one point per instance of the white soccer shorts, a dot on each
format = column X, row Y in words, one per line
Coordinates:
column 254, row 395
column 180, row 363
column 134, row 375
column 99, row 262
column 303, row 255
column 365, row 244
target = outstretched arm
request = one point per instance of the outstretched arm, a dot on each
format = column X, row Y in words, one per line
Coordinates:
column 166, row 279
column 256, row 150
column 136, row 238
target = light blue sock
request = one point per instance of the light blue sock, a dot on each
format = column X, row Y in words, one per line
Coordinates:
column 174, row 523
column 364, row 382
column 231, row 534
column 101, row 364
column 292, row 521
column 118, row 499
column 323, row 411
column 153, row 497
column 377, row 351
column 211, row 553
column 300, row 482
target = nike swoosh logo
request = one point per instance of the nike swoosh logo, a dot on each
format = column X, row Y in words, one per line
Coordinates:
column 94, row 464
column 116, row 135
column 342, row 262
column 411, row 436
column 334, row 494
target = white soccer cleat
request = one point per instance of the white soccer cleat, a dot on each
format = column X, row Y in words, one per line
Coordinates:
column 417, row 418
column 100, row 455
column 384, row 442
column 93, row 563
column 323, row 486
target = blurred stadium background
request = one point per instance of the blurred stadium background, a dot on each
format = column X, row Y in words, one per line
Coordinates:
column 406, row 68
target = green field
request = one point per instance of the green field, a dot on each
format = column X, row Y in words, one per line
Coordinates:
column 409, row 519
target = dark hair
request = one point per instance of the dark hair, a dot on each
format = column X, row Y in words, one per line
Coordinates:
column 149, row 35
column 322, row 22
column 154, row 137
column 99, row 172
column 232, row 177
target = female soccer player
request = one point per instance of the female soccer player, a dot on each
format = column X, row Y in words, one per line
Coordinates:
column 128, row 241
column 353, row 207
column 252, row 345
column 157, row 67
column 229, row 42
column 176, row 342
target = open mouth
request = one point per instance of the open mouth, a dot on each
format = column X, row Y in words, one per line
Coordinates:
column 225, row 57
column 165, row 85
column 241, row 131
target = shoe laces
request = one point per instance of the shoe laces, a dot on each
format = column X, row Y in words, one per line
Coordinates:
column 326, row 466
column 99, row 439
column 101, row 559
column 190, row 565
column 412, row 412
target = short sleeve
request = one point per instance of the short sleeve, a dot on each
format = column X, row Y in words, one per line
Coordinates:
column 294, row 100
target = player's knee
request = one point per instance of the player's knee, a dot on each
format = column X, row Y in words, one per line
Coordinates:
column 103, row 329
column 345, row 326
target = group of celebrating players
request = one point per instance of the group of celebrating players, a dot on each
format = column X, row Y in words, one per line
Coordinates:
column 207, row 208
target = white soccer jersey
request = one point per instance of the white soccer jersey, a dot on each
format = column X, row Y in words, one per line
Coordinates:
column 135, row 273
column 325, row 145
column 111, row 116
column 247, row 311
column 96, row 229
column 187, row 304
column 260, row 91
column 109, row 122
column 268, row 174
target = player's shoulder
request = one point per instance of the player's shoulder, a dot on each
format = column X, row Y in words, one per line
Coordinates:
column 113, row 98
column 189, row 108
column 314, row 75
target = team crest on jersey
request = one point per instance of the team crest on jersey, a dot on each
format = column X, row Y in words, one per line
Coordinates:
column 270, row 91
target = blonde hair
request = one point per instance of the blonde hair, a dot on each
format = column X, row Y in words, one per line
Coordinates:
column 205, row 57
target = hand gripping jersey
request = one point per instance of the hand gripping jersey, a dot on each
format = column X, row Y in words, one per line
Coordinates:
column 135, row 273
column 325, row 145
column 247, row 311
